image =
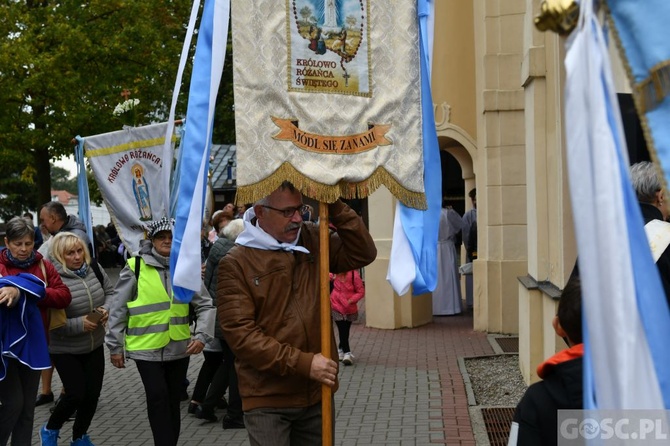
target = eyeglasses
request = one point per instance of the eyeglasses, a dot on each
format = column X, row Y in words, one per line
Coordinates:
column 289, row 212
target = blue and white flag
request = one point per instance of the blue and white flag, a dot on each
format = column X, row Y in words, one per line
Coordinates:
column 185, row 260
column 413, row 259
column 626, row 317
column 169, row 180
column 84, row 202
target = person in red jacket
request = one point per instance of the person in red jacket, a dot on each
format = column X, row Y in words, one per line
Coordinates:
column 17, row 403
column 21, row 257
column 347, row 290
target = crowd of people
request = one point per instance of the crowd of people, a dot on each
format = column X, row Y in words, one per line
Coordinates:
column 256, row 320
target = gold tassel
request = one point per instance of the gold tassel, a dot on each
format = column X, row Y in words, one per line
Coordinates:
column 559, row 16
column 330, row 193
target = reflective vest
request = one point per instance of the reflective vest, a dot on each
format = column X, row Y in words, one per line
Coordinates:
column 154, row 318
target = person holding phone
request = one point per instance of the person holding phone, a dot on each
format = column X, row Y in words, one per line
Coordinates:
column 76, row 348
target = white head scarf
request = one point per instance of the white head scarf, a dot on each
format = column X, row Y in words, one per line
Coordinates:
column 254, row 236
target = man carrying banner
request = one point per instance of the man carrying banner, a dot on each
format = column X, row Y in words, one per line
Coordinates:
column 269, row 308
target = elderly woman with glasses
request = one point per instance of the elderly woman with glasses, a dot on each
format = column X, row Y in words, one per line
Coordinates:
column 152, row 327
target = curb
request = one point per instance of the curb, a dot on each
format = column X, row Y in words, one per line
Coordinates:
column 491, row 337
column 476, row 419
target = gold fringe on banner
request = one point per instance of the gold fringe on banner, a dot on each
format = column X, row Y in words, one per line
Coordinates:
column 329, row 193
column 640, row 107
column 655, row 88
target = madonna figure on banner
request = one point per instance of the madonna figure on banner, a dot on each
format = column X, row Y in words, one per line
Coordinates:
column 330, row 16
column 141, row 192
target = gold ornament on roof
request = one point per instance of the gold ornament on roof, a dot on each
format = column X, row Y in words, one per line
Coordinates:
column 559, row 16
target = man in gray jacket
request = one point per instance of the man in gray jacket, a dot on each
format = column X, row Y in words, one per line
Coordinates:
column 55, row 219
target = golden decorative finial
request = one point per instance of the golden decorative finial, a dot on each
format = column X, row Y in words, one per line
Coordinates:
column 559, row 16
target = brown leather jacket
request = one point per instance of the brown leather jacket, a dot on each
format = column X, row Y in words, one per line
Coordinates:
column 268, row 308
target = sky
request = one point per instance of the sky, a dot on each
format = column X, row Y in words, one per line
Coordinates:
column 69, row 164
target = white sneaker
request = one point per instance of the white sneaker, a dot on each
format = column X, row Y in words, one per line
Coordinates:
column 348, row 358
column 340, row 354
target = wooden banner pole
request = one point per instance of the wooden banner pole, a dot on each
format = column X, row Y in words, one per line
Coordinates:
column 326, row 324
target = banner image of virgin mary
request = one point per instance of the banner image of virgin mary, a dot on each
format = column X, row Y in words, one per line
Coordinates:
column 141, row 193
column 328, row 47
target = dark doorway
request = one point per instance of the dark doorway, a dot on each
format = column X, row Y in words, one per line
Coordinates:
column 637, row 146
column 453, row 188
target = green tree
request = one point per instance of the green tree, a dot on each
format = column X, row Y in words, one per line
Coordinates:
column 61, row 179
column 94, row 194
column 224, row 114
column 17, row 191
column 64, row 65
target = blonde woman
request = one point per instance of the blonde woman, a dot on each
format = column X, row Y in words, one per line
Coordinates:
column 76, row 348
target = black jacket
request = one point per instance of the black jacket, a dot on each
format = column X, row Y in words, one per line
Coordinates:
column 537, row 412
column 649, row 213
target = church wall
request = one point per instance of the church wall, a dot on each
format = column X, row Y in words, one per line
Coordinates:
column 507, row 102
column 454, row 83
column 500, row 165
column 550, row 234
column 383, row 307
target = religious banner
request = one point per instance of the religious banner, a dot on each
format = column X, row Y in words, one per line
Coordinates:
column 641, row 33
column 328, row 96
column 127, row 165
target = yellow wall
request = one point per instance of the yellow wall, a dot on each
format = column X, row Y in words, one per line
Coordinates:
column 497, row 85
column 453, row 73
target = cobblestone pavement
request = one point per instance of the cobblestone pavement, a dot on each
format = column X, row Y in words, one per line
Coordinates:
column 405, row 388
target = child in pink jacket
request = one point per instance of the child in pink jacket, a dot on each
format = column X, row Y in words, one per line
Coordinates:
column 347, row 290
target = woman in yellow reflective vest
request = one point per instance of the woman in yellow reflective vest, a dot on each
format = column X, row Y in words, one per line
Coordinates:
column 152, row 328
